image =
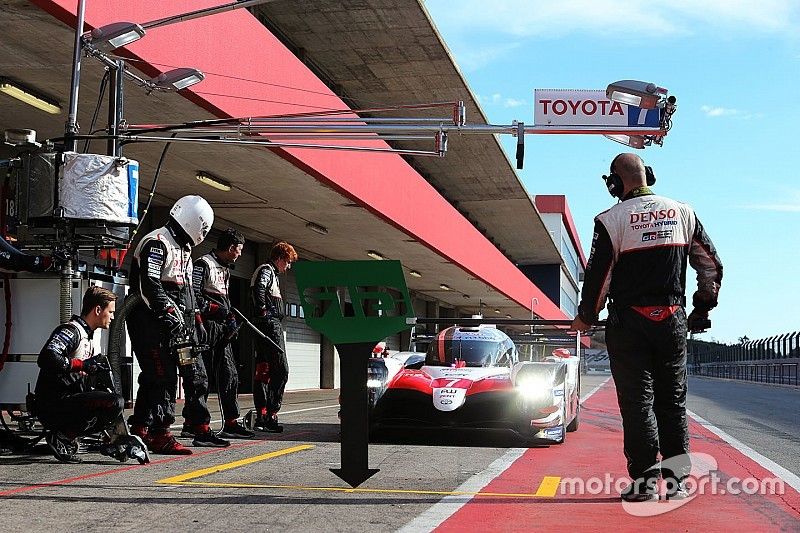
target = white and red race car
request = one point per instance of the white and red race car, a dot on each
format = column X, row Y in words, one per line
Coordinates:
column 471, row 377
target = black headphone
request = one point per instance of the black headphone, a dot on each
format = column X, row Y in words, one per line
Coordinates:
column 614, row 182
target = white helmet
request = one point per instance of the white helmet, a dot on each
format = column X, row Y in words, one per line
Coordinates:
column 194, row 215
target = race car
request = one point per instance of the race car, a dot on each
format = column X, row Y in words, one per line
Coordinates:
column 471, row 377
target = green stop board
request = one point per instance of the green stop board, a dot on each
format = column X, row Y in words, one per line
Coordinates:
column 354, row 301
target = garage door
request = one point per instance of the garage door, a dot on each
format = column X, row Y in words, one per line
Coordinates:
column 302, row 347
column 302, row 342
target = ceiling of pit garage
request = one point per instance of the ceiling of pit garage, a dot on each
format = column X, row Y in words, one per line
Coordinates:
column 387, row 52
column 36, row 49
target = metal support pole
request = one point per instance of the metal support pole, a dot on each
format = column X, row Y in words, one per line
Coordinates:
column 71, row 127
column 116, row 79
column 65, row 294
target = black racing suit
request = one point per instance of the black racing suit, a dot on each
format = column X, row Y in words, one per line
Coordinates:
column 161, row 272
column 269, row 382
column 64, row 400
column 211, row 280
column 638, row 261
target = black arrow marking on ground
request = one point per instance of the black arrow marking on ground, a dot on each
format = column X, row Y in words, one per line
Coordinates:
column 355, row 424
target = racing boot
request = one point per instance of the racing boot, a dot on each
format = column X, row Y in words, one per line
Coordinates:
column 114, row 451
column 164, row 442
column 234, row 430
column 204, row 437
column 676, row 490
column 188, row 431
column 126, row 447
column 271, row 424
column 643, row 489
column 64, row 449
column 143, row 433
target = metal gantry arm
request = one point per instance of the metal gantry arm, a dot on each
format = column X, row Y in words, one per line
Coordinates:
column 279, row 131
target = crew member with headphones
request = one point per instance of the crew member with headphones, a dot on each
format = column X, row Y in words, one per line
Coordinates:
column 638, row 263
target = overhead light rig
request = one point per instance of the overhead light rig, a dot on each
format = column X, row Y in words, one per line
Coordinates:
column 299, row 130
column 317, row 130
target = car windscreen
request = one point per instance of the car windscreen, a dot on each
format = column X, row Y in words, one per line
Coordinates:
column 473, row 352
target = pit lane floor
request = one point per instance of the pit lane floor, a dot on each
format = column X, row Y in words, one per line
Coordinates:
column 427, row 480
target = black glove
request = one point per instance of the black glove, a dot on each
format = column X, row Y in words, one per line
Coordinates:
column 217, row 312
column 171, row 324
column 94, row 364
column 231, row 326
column 698, row 321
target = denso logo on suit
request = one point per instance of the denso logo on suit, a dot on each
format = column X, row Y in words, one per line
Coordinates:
column 652, row 216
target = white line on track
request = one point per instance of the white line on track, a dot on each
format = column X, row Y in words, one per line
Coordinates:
column 789, row 477
column 447, row 506
column 175, row 426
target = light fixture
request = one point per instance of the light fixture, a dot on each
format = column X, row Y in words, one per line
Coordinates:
column 414, row 274
column 465, row 296
column 114, row 35
column 497, row 311
column 634, row 141
column 177, row 79
column 316, row 228
column 213, row 181
column 375, row 255
column 444, row 287
column 29, row 96
column 508, row 316
column 636, row 93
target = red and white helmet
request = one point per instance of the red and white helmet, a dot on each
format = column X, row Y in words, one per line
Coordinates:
column 561, row 352
column 379, row 349
column 194, row 215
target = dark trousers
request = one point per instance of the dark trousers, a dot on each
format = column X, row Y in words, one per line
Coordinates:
column 269, row 396
column 221, row 368
column 158, row 379
column 195, row 390
column 648, row 363
column 79, row 414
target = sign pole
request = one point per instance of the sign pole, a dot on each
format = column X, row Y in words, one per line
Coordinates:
column 355, row 416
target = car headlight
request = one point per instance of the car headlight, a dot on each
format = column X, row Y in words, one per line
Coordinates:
column 535, row 387
column 374, row 384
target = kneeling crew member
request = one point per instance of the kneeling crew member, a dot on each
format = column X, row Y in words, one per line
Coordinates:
column 65, row 403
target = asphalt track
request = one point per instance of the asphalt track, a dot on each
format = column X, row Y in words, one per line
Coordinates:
column 455, row 481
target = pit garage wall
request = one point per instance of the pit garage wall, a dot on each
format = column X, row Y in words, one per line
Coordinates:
column 224, row 43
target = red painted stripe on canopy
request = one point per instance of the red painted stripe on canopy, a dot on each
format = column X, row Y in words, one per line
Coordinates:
column 237, row 46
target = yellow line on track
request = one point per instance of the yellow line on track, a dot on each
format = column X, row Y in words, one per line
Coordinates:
column 184, row 478
column 362, row 490
column 548, row 487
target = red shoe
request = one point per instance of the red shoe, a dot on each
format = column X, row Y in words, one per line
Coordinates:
column 165, row 443
column 143, row 433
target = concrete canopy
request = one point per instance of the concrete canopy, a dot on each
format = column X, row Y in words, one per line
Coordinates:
column 388, row 52
column 273, row 196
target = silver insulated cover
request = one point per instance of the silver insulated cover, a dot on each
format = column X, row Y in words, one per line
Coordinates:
column 99, row 187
